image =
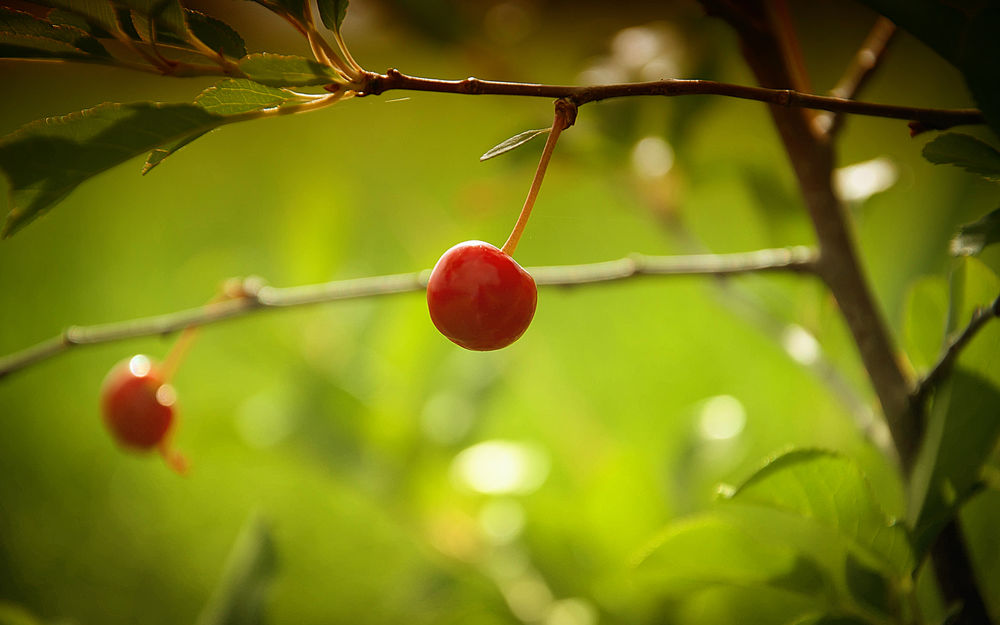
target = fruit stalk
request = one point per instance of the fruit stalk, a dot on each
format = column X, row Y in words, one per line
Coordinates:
column 565, row 115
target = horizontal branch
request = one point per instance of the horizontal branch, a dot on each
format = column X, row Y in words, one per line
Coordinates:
column 954, row 347
column 256, row 296
column 375, row 84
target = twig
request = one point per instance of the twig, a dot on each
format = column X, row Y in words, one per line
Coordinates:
column 864, row 63
column 255, row 296
column 375, row 84
column 980, row 317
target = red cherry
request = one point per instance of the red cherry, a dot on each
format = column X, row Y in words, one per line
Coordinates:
column 479, row 297
column 138, row 407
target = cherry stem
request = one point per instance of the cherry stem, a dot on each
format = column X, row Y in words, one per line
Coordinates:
column 565, row 115
column 231, row 289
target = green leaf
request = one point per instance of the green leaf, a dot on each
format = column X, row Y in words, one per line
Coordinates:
column 973, row 237
column 925, row 320
column 99, row 13
column 965, row 34
column 241, row 596
column 18, row 24
column 332, row 12
column 712, row 550
column 216, row 34
column 962, row 430
column 59, row 17
column 26, row 47
column 831, row 619
column 963, row 421
column 829, row 489
column 239, row 95
column 156, row 156
column 514, row 142
column 47, row 159
column 969, row 153
column 295, row 8
column 167, row 15
column 276, row 70
column 867, row 586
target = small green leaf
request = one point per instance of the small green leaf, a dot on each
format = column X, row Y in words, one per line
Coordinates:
column 216, row 34
column 973, row 237
column 829, row 489
column 239, row 95
column 59, row 17
column 925, row 320
column 514, row 142
column 961, row 150
column 18, row 24
column 166, row 15
column 276, row 70
column 332, row 12
column 241, row 596
column 45, row 160
column 156, row 156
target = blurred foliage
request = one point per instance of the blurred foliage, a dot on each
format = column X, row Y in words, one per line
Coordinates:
column 405, row 480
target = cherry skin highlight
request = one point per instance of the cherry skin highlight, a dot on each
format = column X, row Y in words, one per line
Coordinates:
column 479, row 297
column 137, row 406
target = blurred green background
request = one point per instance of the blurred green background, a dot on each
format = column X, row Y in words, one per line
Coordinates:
column 404, row 479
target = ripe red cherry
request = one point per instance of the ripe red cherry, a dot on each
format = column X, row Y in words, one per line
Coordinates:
column 479, row 297
column 137, row 406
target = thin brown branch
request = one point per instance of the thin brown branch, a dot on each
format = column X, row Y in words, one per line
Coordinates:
column 375, row 84
column 980, row 317
column 256, row 296
column 860, row 70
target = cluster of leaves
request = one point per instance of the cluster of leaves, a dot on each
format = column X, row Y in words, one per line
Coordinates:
column 46, row 160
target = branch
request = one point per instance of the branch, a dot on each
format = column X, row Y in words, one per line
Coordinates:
column 864, row 63
column 375, row 84
column 980, row 317
column 256, row 296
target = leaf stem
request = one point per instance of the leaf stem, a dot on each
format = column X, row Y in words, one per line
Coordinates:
column 564, row 117
column 254, row 295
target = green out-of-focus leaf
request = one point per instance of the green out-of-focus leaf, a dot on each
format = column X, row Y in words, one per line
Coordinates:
column 295, row 8
column 831, row 619
column 26, row 47
column 867, row 586
column 965, row 151
column 239, row 95
column 830, row 489
column 962, row 430
column 18, row 24
column 332, row 12
column 159, row 154
column 241, row 596
column 216, row 34
column 712, row 550
column 965, row 34
column 514, row 142
column 47, row 159
column 99, row 13
column 974, row 284
column 925, row 320
column 973, row 237
column 276, row 70
column 59, row 17
column 167, row 15
column 12, row 614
